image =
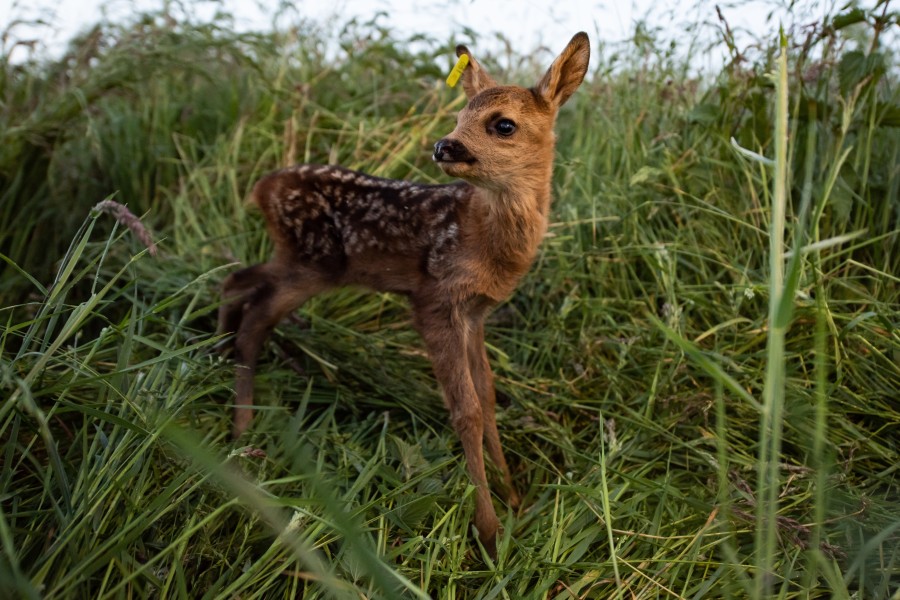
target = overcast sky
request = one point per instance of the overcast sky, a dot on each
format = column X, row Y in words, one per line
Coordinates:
column 526, row 23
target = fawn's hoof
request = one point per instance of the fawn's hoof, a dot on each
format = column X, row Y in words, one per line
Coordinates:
column 490, row 546
column 512, row 499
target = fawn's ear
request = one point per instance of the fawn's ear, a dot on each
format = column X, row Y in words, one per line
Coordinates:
column 474, row 78
column 567, row 71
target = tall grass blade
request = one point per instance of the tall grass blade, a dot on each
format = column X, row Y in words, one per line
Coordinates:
column 771, row 419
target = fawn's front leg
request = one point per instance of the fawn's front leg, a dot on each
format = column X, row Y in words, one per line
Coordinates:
column 444, row 330
column 483, row 379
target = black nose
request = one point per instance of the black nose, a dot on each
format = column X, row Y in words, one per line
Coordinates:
column 447, row 150
column 440, row 148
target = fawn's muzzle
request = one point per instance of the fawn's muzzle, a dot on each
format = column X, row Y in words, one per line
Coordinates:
column 447, row 150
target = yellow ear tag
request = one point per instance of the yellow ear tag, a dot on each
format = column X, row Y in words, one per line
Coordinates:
column 457, row 70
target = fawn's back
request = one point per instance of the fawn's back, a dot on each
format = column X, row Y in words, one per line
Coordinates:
column 354, row 228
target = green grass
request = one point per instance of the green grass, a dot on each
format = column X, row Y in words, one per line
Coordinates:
column 682, row 420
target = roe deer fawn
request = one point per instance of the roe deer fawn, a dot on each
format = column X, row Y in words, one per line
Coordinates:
column 455, row 250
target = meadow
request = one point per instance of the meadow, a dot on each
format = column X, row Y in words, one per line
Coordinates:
column 699, row 380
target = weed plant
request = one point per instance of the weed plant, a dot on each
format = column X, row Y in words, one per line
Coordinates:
column 699, row 380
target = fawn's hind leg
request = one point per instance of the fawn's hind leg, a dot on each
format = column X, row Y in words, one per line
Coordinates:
column 259, row 297
column 238, row 291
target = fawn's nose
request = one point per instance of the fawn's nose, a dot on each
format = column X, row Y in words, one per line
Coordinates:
column 448, row 150
column 441, row 148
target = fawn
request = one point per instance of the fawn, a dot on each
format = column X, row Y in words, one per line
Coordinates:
column 455, row 250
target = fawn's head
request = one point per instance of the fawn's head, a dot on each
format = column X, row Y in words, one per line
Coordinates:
column 504, row 136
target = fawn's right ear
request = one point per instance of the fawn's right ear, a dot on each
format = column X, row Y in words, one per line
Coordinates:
column 474, row 78
column 567, row 71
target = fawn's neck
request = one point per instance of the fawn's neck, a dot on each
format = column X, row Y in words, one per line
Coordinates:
column 516, row 216
column 509, row 224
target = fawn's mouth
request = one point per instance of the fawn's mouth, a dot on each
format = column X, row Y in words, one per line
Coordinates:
column 450, row 161
column 455, row 168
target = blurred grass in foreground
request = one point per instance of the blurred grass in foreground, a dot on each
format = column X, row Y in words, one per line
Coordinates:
column 683, row 421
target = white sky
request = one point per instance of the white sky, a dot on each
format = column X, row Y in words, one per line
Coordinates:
column 526, row 23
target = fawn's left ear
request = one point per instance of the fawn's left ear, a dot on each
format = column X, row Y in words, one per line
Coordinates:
column 474, row 78
column 567, row 71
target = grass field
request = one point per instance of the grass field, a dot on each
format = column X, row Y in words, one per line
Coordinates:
column 699, row 379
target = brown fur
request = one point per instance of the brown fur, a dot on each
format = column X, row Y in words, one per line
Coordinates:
column 455, row 250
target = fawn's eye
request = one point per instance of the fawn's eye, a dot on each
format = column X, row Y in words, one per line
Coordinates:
column 505, row 127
